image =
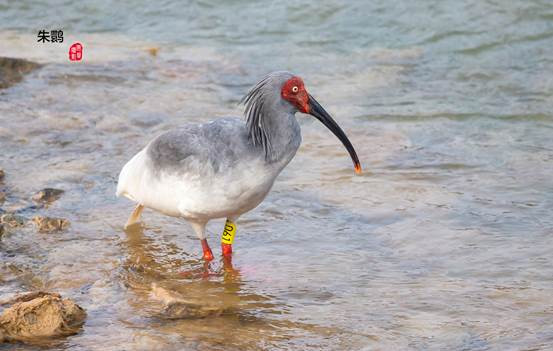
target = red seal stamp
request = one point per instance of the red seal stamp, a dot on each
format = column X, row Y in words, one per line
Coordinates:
column 76, row 52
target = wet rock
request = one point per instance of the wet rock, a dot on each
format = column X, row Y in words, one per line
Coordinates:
column 2, row 230
column 12, row 220
column 176, row 306
column 50, row 224
column 2, row 175
column 40, row 315
column 12, row 70
column 2, row 196
column 48, row 195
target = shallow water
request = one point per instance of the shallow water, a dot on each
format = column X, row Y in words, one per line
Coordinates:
column 444, row 242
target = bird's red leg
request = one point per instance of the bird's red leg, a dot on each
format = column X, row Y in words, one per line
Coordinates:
column 208, row 255
column 226, row 249
column 227, row 238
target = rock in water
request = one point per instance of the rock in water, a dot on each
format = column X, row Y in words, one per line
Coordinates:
column 176, row 306
column 2, row 174
column 12, row 70
column 12, row 220
column 48, row 195
column 40, row 315
column 50, row 224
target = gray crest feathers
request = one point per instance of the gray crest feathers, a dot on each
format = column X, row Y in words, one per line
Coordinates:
column 258, row 102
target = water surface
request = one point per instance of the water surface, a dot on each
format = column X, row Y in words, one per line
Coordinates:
column 444, row 242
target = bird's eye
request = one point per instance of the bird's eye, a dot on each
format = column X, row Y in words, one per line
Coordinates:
column 295, row 89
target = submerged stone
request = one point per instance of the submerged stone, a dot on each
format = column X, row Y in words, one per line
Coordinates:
column 188, row 310
column 12, row 220
column 48, row 195
column 40, row 315
column 12, row 70
column 176, row 306
column 50, row 224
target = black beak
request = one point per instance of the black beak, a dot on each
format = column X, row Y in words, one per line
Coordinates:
column 319, row 112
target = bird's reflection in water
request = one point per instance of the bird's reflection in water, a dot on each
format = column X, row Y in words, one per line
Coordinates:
column 204, row 303
column 157, row 271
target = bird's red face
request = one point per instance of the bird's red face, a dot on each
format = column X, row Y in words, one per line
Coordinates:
column 294, row 92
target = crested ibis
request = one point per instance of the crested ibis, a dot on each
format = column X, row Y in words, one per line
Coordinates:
column 224, row 168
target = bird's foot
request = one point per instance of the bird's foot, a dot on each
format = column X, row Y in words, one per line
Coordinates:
column 202, row 272
column 228, row 269
column 208, row 255
column 227, row 260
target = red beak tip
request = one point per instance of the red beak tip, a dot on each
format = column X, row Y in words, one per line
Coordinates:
column 358, row 169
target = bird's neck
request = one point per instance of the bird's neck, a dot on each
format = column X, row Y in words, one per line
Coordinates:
column 281, row 136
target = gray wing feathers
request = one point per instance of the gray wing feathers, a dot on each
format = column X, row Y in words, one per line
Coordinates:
column 212, row 146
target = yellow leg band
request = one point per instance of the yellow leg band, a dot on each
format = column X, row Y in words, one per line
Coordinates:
column 228, row 233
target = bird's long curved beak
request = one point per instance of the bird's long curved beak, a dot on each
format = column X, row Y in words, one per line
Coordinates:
column 317, row 111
